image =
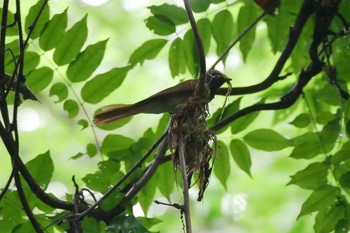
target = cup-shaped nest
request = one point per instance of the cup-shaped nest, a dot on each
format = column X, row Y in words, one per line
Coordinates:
column 189, row 130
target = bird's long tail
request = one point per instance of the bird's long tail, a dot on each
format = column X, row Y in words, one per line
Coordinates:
column 113, row 113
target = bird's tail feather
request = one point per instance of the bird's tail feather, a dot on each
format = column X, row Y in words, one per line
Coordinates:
column 113, row 113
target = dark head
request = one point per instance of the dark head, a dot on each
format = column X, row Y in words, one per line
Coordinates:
column 216, row 79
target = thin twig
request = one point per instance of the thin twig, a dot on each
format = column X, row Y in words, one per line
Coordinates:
column 199, row 44
column 186, row 207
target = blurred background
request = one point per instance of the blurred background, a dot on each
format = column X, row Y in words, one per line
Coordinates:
column 257, row 204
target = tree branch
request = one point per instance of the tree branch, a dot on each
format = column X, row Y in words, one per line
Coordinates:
column 305, row 12
column 200, row 48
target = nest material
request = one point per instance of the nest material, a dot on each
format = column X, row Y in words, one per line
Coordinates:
column 189, row 128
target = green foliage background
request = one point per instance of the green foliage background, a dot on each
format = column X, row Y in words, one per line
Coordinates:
column 277, row 171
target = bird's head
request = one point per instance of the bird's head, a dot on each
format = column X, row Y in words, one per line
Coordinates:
column 216, row 79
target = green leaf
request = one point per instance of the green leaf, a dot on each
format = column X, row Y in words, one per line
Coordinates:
column 222, row 30
column 87, row 62
column 125, row 223
column 147, row 193
column 199, row 5
column 177, row 58
column 83, row 123
column 72, row 42
column 160, row 25
column 174, row 13
column 329, row 95
column 166, row 181
column 147, row 51
column 246, row 15
column 77, row 156
column 307, row 146
column 32, row 14
column 241, row 155
column 89, row 224
column 242, row 123
column 344, row 180
column 53, row 31
column 31, row 61
column 324, row 117
column 41, row 168
column 104, row 84
column 10, row 31
column 320, row 199
column 222, row 166
column 39, row 79
column 301, row 121
column 327, row 220
column 91, row 149
column 72, row 107
column 330, row 134
column 191, row 53
column 266, row 140
column 103, row 178
column 312, row 177
column 60, row 90
column 229, row 110
column 278, row 27
column 204, row 27
column 115, row 142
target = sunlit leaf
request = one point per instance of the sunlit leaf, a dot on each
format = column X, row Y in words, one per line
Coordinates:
column 86, row 62
column 53, row 31
column 267, row 140
column 147, row 51
column 177, row 58
column 174, row 13
column 301, row 121
column 72, row 42
column 60, row 90
column 329, row 134
column 32, row 15
column 147, row 193
column 160, row 25
column 306, row 146
column 312, row 177
column 72, row 107
column 41, row 168
column 199, row 5
column 247, row 14
column 222, row 166
column 241, row 155
column 222, row 30
column 39, row 79
column 191, row 53
column 104, row 84
column 204, row 27
column 320, row 199
column 31, row 61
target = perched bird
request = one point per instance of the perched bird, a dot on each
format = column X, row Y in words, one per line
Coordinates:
column 164, row 101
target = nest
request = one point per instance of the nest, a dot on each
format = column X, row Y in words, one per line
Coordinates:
column 189, row 129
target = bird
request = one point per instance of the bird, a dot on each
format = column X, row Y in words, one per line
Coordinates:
column 167, row 100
